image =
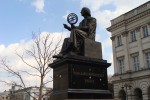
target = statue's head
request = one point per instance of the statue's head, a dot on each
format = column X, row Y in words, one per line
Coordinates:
column 85, row 11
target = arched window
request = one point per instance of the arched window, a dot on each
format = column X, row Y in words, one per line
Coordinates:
column 138, row 94
column 122, row 95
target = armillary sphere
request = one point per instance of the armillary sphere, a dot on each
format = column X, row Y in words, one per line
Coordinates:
column 72, row 18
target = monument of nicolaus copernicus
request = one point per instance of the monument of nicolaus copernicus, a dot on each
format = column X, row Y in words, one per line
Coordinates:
column 85, row 30
column 79, row 71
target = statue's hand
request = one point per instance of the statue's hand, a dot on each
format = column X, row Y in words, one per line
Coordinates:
column 66, row 26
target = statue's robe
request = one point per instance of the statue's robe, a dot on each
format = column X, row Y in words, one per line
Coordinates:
column 78, row 35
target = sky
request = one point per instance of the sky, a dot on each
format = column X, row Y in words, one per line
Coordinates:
column 20, row 18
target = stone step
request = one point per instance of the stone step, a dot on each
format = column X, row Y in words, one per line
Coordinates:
column 92, row 99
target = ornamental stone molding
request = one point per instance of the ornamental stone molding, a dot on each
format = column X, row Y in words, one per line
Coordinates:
column 131, row 16
column 112, row 38
column 124, row 34
column 138, row 29
column 149, row 23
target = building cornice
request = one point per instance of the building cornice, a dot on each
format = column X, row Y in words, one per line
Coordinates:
column 149, row 23
column 125, row 33
column 138, row 28
column 112, row 38
column 128, row 21
column 114, row 27
column 130, row 79
column 129, row 74
column 133, row 15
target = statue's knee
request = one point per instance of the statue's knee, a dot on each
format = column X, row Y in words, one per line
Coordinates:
column 66, row 39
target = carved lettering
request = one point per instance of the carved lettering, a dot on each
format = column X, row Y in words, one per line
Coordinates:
column 88, row 74
column 89, row 81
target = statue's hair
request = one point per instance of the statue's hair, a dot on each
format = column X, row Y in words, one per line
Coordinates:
column 86, row 10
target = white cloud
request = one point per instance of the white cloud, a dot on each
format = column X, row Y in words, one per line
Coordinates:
column 17, row 63
column 104, row 16
column 39, row 5
column 94, row 5
column 65, row 16
column 111, row 68
column 10, row 50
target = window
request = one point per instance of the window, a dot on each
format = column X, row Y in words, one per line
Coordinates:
column 145, row 31
column 133, row 36
column 27, row 97
column 136, row 63
column 121, row 65
column 147, row 59
column 119, row 41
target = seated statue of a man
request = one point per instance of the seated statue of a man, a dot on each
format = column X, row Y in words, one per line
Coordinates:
column 86, row 29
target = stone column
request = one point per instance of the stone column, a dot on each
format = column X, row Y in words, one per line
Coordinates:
column 130, row 97
column 145, row 96
column 148, row 27
column 116, row 91
column 114, row 54
column 127, row 64
column 145, row 93
column 139, row 42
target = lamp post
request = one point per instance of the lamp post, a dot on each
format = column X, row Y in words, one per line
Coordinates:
column 126, row 86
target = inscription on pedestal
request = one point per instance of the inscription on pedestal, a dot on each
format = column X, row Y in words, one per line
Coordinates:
column 88, row 77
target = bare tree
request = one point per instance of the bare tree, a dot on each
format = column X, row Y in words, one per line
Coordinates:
column 41, row 51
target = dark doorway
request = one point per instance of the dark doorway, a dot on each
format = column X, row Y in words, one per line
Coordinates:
column 138, row 94
column 122, row 95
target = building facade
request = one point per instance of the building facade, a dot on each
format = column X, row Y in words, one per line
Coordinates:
column 30, row 93
column 131, row 54
column 6, row 95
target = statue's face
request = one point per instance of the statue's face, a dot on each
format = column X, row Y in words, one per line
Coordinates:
column 82, row 12
column 85, row 12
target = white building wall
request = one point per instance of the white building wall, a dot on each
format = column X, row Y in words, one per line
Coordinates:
column 5, row 95
column 132, row 82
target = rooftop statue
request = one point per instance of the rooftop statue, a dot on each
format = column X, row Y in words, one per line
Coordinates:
column 85, row 30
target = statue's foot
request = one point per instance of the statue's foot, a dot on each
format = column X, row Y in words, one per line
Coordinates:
column 59, row 56
column 71, row 53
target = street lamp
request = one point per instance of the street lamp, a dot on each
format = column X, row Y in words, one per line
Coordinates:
column 126, row 86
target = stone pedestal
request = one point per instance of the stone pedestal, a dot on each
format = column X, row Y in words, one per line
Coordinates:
column 92, row 49
column 79, row 77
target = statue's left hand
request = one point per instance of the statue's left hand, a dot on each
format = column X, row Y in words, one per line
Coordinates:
column 67, row 27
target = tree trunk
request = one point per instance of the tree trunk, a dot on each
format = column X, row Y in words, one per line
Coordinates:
column 41, row 89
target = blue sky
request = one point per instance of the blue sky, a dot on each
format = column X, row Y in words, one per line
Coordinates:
column 19, row 18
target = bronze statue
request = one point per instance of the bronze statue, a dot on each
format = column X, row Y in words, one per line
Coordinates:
column 86, row 29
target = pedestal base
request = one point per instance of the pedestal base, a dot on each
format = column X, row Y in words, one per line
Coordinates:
column 81, row 94
column 78, row 77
